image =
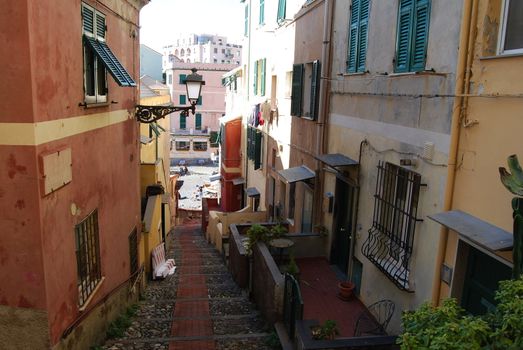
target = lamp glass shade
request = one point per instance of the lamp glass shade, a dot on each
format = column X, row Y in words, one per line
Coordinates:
column 194, row 89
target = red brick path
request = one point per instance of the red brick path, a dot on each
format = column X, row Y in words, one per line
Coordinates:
column 189, row 304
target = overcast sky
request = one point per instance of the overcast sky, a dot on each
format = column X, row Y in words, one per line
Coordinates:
column 163, row 20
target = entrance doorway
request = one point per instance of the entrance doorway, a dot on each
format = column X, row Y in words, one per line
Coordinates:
column 343, row 224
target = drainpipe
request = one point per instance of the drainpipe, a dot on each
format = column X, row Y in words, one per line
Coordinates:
column 321, row 134
column 466, row 53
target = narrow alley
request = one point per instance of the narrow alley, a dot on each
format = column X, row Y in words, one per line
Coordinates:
column 199, row 307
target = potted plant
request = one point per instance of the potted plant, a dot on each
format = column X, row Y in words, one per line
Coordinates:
column 322, row 230
column 346, row 290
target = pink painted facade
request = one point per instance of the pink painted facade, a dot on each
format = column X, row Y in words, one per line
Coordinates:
column 42, row 90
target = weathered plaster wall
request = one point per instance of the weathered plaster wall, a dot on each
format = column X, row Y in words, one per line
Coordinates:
column 22, row 328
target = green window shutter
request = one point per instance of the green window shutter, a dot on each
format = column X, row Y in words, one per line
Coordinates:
column 358, row 29
column 249, row 137
column 420, row 35
column 255, row 78
column 183, row 99
column 246, row 29
column 200, row 101
column 88, row 20
column 353, row 36
column 183, row 122
column 315, row 89
column 282, row 6
column 262, row 12
column 100, row 26
column 297, row 89
column 362, row 35
column 405, row 17
column 182, row 78
column 258, row 149
column 198, row 121
column 262, row 83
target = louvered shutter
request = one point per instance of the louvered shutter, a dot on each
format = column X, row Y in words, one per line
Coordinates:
column 255, row 78
column 182, row 78
column 405, row 17
column 258, row 137
column 420, row 35
column 262, row 11
column 353, row 36
column 315, row 89
column 88, row 20
column 249, row 143
column 183, row 122
column 281, row 11
column 183, row 99
column 297, row 89
column 198, row 121
column 246, row 24
column 100, row 26
column 362, row 34
column 262, row 83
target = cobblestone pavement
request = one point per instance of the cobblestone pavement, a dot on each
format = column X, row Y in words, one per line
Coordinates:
column 199, row 307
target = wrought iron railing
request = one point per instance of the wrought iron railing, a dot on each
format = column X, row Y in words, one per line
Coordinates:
column 292, row 305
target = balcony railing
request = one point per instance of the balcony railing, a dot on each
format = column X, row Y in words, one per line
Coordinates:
column 191, row 131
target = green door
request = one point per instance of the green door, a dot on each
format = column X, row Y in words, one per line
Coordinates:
column 481, row 282
column 343, row 207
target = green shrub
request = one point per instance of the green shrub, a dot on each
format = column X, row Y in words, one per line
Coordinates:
column 277, row 231
column 257, row 233
column 117, row 327
column 326, row 331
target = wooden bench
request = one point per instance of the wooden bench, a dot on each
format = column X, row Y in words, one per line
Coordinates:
column 161, row 267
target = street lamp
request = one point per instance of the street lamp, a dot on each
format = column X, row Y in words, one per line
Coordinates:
column 193, row 84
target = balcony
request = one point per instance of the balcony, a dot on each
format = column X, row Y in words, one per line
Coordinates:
column 205, row 131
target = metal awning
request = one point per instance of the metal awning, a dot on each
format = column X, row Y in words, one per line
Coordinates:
column 337, row 159
column 296, row 174
column 238, row 181
column 475, row 229
column 252, row 192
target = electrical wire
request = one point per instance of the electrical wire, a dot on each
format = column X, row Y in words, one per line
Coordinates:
column 374, row 149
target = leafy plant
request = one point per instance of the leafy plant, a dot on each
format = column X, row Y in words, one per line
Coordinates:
column 327, row 330
column 278, row 231
column 273, row 341
column 292, row 268
column 117, row 327
column 256, row 233
column 449, row 327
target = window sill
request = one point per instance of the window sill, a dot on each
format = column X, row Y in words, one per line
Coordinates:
column 355, row 73
column 421, row 72
column 91, row 297
column 94, row 105
column 501, row 56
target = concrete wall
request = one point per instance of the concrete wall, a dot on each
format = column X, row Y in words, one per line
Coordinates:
column 46, row 80
column 150, row 62
column 371, row 107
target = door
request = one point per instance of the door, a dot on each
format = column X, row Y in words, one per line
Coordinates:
column 342, row 226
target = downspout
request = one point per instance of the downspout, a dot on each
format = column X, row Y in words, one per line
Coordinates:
column 466, row 53
column 244, row 157
column 322, row 132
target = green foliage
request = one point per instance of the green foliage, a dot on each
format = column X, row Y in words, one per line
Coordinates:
column 278, row 231
column 328, row 330
column 292, row 268
column 513, row 181
column 449, row 327
column 322, row 230
column 117, row 327
column 257, row 233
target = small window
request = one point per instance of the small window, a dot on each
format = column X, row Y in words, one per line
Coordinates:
column 182, row 77
column 182, row 145
column 198, row 121
column 215, row 50
column 183, row 99
column 87, row 256
column 512, row 30
column 199, row 146
column 183, row 122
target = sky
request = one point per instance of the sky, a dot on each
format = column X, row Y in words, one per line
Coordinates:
column 163, row 20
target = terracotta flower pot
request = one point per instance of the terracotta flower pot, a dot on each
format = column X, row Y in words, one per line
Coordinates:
column 346, row 290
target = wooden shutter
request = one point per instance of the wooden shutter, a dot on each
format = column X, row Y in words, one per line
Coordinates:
column 353, row 36
column 297, row 89
column 362, row 34
column 88, row 20
column 255, row 78
column 262, row 83
column 258, row 137
column 282, row 6
column 100, row 26
column 198, row 121
column 315, row 89
column 183, row 99
column 262, row 11
column 199, row 101
column 183, row 123
column 405, row 17
column 182, row 78
column 420, row 35
column 246, row 29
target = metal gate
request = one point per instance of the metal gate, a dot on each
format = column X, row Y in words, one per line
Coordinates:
column 292, row 305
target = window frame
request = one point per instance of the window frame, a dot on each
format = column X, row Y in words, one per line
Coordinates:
column 194, row 148
column 299, row 86
column 186, row 148
column 503, row 32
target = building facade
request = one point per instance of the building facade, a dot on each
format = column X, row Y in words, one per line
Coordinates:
column 194, row 137
column 150, row 63
column 70, row 174
column 202, row 48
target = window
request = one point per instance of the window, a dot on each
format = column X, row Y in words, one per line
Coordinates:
column 98, row 58
column 391, row 237
column 358, row 29
column 198, row 121
column 170, row 79
column 262, row 12
column 182, row 145
column 246, row 20
column 199, row 146
column 183, row 122
column 412, row 35
column 183, row 99
column 255, row 146
column 512, row 30
column 199, row 102
column 259, row 77
column 181, row 79
column 306, row 79
column 215, row 50
column 223, row 50
column 87, row 256
column 282, row 7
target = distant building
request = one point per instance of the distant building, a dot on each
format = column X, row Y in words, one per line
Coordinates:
column 194, row 136
column 150, row 62
column 202, row 48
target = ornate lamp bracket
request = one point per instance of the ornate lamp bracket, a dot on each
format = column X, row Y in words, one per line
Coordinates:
column 149, row 114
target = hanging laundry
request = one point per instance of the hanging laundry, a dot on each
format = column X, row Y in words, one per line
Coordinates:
column 265, row 112
column 257, row 113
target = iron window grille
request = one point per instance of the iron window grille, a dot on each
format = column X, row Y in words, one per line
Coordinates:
column 87, row 256
column 133, row 251
column 391, row 237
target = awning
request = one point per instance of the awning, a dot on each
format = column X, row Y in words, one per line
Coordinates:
column 145, row 140
column 337, row 159
column 238, row 181
column 296, row 174
column 215, row 177
column 252, row 192
column 475, row 229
